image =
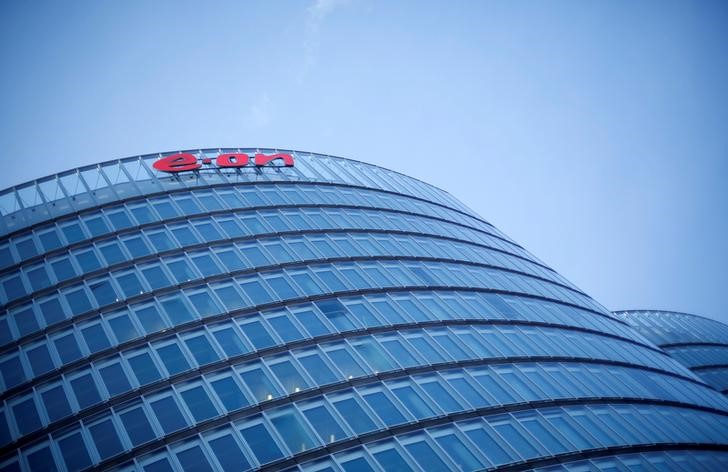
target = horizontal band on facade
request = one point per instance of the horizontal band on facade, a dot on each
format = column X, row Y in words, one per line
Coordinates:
column 172, row 192
column 365, row 438
column 608, row 452
column 288, row 265
column 327, row 388
column 700, row 368
column 225, row 363
column 693, row 344
column 221, row 242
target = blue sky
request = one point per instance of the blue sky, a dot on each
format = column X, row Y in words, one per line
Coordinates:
column 593, row 133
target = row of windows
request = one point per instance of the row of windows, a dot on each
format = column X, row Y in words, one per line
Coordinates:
column 489, row 442
column 175, row 269
column 132, row 177
column 274, row 286
column 669, row 327
column 288, row 324
column 678, row 461
column 343, row 414
column 207, row 230
column 119, row 218
column 89, row 259
column 355, row 357
column 696, row 356
column 716, row 378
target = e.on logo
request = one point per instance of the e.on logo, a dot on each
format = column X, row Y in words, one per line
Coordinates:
column 185, row 161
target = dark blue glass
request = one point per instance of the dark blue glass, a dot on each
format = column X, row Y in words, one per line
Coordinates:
column 261, row 443
column 168, row 414
column 78, row 301
column 229, row 455
column 95, row 338
column 106, row 439
column 26, row 416
column 199, row 404
column 74, row 452
column 56, row 403
column 115, row 379
column 85, row 389
column 229, row 393
column 144, row 368
column 194, row 460
column 137, row 426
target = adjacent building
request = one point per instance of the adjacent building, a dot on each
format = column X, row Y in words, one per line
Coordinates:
column 699, row 343
column 238, row 309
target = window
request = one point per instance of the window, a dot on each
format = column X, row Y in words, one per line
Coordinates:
column 384, row 407
column 38, row 278
column 294, row 433
column 229, row 393
column 49, row 240
column 161, row 241
column 168, row 414
column 103, row 292
column 26, row 416
column 355, row 416
column 12, row 372
column 256, row 292
column 177, row 310
column 261, row 443
column 199, row 403
column 85, row 389
column 130, row 284
column 95, row 338
column 426, row 456
column 52, row 311
column 96, row 225
column 205, row 264
column 87, row 260
column 326, row 426
column 173, row 358
column 106, row 439
column 137, row 426
column 123, row 328
column 115, row 379
column 229, row 455
column 67, row 348
column 204, row 303
column 288, row 376
column 74, row 452
column 194, row 460
column 40, row 359
column 150, row 319
column 63, row 269
column 56, row 404
column 230, row 297
column 201, row 349
column 257, row 334
column 25, row 321
column 112, row 253
column 144, row 368
column 136, row 246
column 181, row 270
column 155, row 277
column 230, row 342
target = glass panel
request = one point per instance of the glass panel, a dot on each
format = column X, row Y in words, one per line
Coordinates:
column 137, row 426
column 261, row 443
column 199, row 404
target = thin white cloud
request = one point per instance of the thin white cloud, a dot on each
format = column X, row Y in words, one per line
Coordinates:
column 261, row 112
column 315, row 16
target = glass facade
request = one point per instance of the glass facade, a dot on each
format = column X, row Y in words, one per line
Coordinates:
column 330, row 316
column 700, row 344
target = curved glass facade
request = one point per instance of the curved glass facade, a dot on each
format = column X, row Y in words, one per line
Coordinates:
column 331, row 315
column 700, row 344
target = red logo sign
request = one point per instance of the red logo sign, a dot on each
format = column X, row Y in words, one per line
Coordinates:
column 185, row 161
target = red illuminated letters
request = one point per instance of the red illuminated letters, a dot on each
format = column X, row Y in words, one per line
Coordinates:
column 177, row 163
column 185, row 161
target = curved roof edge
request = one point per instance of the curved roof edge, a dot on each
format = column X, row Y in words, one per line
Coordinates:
column 137, row 156
column 668, row 312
